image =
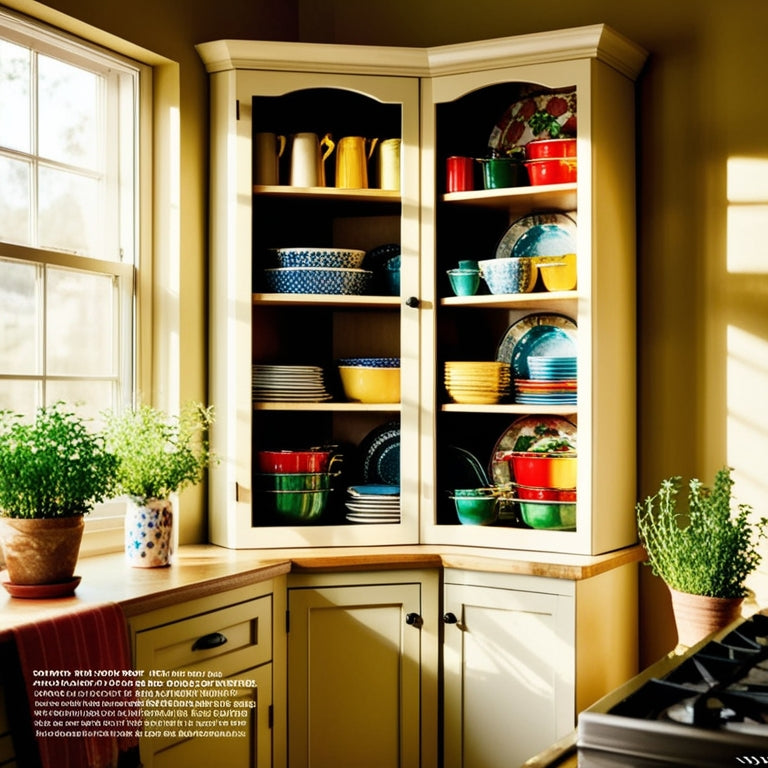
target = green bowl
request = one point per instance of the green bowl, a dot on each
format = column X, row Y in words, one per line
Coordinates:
column 549, row 515
column 475, row 507
column 295, row 506
column 299, row 481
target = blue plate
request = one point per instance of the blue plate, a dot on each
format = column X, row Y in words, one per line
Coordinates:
column 544, row 240
column 546, row 227
column 541, row 341
column 380, row 455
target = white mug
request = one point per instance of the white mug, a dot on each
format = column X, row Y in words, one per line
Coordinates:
column 308, row 155
column 268, row 148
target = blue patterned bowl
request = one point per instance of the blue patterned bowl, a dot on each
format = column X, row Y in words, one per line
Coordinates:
column 370, row 362
column 344, row 258
column 347, row 282
column 510, row 275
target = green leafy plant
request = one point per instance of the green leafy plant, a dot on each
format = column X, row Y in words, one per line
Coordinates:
column 53, row 466
column 159, row 454
column 708, row 549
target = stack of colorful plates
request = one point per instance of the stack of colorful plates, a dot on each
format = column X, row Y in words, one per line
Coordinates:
column 477, row 382
column 373, row 503
column 552, row 382
column 288, row 383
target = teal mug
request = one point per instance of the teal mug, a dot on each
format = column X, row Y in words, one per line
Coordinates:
column 464, row 282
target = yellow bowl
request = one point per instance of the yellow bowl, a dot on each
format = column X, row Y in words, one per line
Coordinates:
column 558, row 273
column 365, row 384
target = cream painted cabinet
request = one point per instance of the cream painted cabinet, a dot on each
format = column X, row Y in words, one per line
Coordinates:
column 362, row 670
column 522, row 655
column 466, row 108
column 287, row 89
column 441, row 101
column 197, row 649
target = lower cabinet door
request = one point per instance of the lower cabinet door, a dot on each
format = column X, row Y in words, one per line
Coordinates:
column 253, row 749
column 508, row 670
column 354, row 676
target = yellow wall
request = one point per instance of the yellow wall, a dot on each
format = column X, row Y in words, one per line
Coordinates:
column 703, row 200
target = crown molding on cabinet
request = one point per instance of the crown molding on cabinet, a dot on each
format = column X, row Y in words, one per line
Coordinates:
column 597, row 41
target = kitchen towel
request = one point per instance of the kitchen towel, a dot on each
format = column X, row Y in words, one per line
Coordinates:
column 77, row 677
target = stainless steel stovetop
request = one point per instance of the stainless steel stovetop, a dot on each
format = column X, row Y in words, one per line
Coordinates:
column 707, row 708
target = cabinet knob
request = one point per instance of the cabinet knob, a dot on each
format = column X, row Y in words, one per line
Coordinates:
column 450, row 618
column 206, row 642
column 412, row 301
column 414, row 620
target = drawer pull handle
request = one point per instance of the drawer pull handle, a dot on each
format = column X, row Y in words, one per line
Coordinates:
column 206, row 642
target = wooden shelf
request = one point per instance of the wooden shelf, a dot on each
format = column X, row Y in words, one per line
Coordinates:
column 328, row 300
column 521, row 199
column 328, row 193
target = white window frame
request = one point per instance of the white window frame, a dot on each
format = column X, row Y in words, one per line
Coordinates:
column 133, row 276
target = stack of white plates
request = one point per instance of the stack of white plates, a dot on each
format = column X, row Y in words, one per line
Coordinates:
column 477, row 382
column 373, row 503
column 288, row 383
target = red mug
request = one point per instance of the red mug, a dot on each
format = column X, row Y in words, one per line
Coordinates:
column 460, row 174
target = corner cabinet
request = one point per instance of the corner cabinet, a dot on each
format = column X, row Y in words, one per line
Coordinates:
column 439, row 102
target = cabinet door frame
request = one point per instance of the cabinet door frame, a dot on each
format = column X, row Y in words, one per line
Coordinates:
column 408, row 592
column 545, row 603
column 231, row 299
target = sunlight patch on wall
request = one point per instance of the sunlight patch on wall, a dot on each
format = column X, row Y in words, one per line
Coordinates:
column 747, row 416
column 747, row 214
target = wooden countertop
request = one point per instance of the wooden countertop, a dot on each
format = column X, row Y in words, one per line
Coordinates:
column 200, row 570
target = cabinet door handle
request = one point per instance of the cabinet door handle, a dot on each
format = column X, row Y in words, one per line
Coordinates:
column 414, row 620
column 412, row 301
column 206, row 642
column 450, row 618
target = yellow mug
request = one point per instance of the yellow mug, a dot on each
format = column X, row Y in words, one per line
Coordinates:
column 268, row 148
column 308, row 155
column 352, row 162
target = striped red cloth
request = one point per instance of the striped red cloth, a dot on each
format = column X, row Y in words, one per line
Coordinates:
column 83, row 701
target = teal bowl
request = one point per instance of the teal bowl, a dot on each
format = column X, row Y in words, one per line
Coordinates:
column 476, row 506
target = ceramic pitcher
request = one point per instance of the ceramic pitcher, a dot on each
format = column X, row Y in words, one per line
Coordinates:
column 268, row 148
column 389, row 164
column 352, row 155
column 308, row 155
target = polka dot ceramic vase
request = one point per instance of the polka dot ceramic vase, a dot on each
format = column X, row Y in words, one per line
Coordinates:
column 149, row 534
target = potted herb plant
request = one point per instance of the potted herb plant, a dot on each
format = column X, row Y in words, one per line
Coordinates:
column 703, row 553
column 53, row 470
column 157, row 456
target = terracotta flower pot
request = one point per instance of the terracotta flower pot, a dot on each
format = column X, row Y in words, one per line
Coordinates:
column 43, row 551
column 697, row 616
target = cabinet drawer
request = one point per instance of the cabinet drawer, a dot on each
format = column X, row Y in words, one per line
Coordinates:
column 228, row 640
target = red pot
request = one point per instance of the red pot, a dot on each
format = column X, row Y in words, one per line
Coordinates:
column 291, row 462
column 553, row 171
column 544, row 470
column 531, row 493
column 540, row 149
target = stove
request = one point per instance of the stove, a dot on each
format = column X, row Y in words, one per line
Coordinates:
column 705, row 708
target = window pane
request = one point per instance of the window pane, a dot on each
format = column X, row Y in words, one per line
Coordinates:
column 68, row 114
column 69, row 212
column 14, row 96
column 80, row 335
column 19, row 396
column 88, row 398
column 19, row 313
column 14, row 200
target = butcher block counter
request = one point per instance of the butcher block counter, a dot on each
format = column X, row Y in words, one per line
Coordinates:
column 201, row 570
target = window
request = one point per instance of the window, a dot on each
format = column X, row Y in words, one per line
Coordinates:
column 68, row 220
